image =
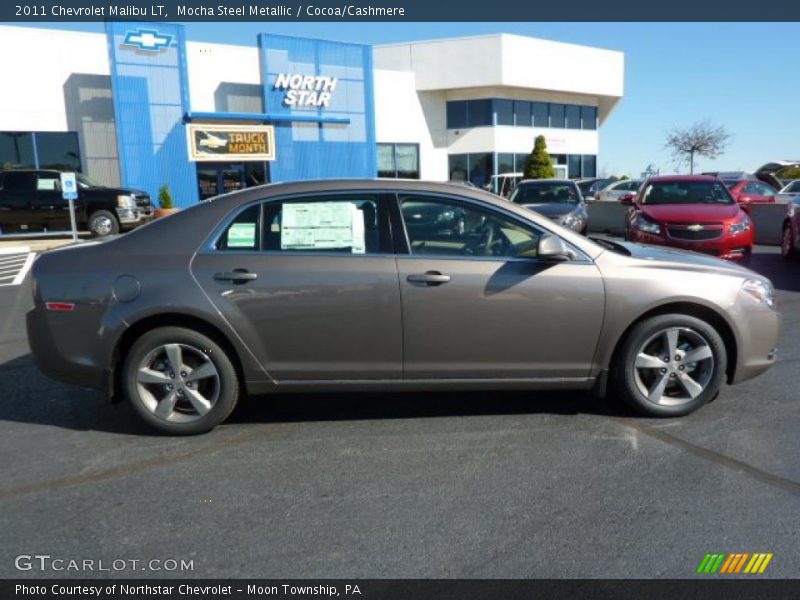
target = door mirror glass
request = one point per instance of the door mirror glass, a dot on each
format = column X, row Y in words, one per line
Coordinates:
column 552, row 247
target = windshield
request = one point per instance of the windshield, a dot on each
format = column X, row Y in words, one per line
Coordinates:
column 546, row 192
column 86, row 182
column 686, row 192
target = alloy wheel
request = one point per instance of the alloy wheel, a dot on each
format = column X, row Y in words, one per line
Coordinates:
column 178, row 383
column 102, row 225
column 673, row 366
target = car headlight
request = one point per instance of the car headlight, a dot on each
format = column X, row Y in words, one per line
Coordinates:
column 760, row 290
column 646, row 225
column 126, row 201
column 740, row 226
column 571, row 219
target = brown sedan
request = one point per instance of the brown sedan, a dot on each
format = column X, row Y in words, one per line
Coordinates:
column 388, row 285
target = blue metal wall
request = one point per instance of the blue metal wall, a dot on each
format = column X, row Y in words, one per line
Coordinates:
column 321, row 150
column 150, row 98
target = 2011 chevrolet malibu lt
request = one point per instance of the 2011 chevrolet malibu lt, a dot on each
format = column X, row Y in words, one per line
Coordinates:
column 388, row 285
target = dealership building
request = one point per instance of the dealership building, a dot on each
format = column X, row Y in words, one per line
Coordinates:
column 139, row 106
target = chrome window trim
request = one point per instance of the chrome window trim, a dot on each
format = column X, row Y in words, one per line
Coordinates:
column 208, row 247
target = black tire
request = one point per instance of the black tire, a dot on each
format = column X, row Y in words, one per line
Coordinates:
column 193, row 344
column 102, row 223
column 628, row 381
column 788, row 242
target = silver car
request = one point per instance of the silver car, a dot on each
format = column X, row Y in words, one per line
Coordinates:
column 614, row 191
column 790, row 192
column 557, row 199
column 388, row 285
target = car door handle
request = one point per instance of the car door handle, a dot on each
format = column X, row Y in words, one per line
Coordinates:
column 237, row 276
column 428, row 278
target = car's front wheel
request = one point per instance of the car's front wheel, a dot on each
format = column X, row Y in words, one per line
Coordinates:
column 670, row 365
column 103, row 223
column 788, row 250
column 180, row 381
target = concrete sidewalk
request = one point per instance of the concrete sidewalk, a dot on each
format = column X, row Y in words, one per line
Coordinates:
column 37, row 245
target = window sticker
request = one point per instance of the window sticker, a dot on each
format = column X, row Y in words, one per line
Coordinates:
column 242, row 235
column 322, row 225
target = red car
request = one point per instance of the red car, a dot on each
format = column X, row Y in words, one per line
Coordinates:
column 689, row 212
column 750, row 191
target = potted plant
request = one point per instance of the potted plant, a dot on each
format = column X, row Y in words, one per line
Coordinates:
column 164, row 202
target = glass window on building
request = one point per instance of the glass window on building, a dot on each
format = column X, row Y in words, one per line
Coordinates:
column 16, row 150
column 522, row 113
column 505, row 163
column 589, row 165
column 557, row 118
column 573, row 166
column 541, row 114
column 457, row 166
column 481, row 168
column 505, row 111
column 398, row 161
column 457, row 114
column 479, row 113
column 519, row 161
column 59, row 151
column 559, row 159
column 589, row 117
column 573, row 114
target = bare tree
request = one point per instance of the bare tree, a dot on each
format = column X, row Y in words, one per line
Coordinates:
column 700, row 139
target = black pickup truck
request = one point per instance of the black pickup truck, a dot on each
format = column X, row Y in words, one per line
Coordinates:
column 31, row 201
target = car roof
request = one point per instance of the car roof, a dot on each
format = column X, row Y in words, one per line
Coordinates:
column 553, row 180
column 667, row 178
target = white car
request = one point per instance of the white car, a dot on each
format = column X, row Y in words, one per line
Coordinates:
column 789, row 192
column 616, row 190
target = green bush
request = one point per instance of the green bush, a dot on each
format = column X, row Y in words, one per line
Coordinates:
column 164, row 197
column 539, row 165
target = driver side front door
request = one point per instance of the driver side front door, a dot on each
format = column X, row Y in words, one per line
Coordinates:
column 472, row 309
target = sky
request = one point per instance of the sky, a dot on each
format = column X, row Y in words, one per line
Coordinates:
column 742, row 76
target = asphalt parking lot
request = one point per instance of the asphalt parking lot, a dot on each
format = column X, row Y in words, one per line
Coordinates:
column 404, row 485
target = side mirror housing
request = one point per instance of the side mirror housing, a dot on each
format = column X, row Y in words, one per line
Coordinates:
column 627, row 199
column 552, row 247
column 745, row 199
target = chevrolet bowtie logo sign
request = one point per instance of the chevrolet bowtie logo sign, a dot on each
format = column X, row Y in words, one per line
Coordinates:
column 148, row 40
column 697, row 227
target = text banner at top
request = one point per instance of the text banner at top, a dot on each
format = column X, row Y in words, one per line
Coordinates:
column 394, row 10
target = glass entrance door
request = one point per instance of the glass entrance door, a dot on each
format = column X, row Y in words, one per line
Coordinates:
column 214, row 179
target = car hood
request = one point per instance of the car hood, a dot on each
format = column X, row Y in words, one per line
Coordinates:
column 552, row 209
column 690, row 213
column 685, row 259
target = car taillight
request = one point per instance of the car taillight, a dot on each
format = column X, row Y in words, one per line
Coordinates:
column 60, row 306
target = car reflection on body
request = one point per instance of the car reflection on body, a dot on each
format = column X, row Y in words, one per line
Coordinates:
column 388, row 285
column 557, row 199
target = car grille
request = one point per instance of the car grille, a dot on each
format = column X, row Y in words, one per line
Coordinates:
column 142, row 201
column 683, row 232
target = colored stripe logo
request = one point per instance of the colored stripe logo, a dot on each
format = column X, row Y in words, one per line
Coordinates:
column 734, row 563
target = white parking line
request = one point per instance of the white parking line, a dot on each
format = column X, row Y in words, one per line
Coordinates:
column 15, row 262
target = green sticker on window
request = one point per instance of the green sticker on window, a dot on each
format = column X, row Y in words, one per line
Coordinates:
column 242, row 235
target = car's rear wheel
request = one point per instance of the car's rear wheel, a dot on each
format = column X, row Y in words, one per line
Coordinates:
column 180, row 381
column 670, row 365
column 103, row 223
column 788, row 250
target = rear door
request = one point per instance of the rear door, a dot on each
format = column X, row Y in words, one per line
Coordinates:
column 16, row 192
column 472, row 309
column 310, row 284
column 48, row 205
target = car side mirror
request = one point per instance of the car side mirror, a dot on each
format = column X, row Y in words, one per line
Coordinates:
column 627, row 199
column 552, row 247
column 745, row 199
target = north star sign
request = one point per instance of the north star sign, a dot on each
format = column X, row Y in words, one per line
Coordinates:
column 306, row 90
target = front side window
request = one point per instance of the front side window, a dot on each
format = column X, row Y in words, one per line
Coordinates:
column 686, row 192
column 449, row 228
column 795, row 187
column 48, row 182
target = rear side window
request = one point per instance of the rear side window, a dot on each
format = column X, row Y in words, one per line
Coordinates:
column 19, row 181
column 244, row 232
column 343, row 224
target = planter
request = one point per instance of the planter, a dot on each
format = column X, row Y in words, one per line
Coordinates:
column 164, row 212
